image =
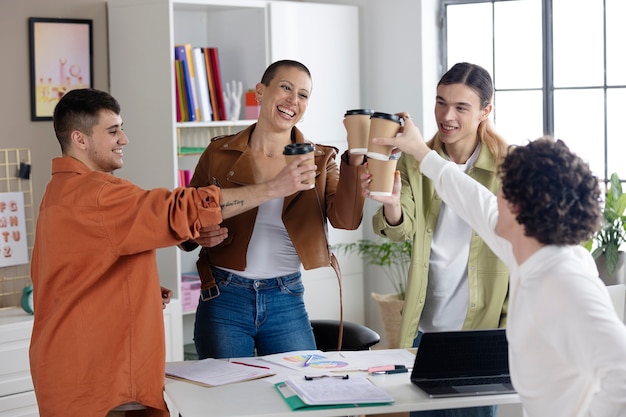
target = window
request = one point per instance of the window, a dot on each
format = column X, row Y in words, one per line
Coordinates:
column 558, row 68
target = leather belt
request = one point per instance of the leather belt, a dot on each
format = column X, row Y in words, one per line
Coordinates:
column 208, row 286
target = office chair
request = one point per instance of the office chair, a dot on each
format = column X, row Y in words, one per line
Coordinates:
column 355, row 336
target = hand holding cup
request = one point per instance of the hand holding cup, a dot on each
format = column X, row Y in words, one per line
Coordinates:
column 357, row 124
column 293, row 150
column 382, row 125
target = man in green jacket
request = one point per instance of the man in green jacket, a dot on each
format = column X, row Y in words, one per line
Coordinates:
column 455, row 282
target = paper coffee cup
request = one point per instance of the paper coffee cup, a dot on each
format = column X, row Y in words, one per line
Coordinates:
column 357, row 123
column 382, row 171
column 293, row 150
column 382, row 125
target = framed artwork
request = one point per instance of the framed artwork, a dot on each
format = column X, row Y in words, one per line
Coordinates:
column 61, row 60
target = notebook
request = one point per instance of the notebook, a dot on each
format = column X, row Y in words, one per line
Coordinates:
column 463, row 363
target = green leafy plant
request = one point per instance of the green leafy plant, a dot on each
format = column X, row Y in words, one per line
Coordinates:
column 392, row 257
column 612, row 233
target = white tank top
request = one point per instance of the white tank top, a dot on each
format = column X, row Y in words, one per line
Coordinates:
column 270, row 252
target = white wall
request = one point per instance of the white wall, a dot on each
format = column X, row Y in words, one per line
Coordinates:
column 398, row 73
column 18, row 131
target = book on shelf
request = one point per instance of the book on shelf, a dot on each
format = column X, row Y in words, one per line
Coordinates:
column 200, row 93
column 210, row 83
column 192, row 81
column 184, row 177
column 190, row 113
column 202, row 86
column 178, row 80
column 217, row 77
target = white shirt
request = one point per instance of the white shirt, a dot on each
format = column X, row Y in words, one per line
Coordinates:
column 447, row 293
column 567, row 347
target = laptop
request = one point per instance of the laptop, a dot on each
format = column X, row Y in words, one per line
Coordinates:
column 463, row 363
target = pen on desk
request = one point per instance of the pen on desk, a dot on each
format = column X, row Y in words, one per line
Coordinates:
column 308, row 361
column 391, row 371
column 249, row 364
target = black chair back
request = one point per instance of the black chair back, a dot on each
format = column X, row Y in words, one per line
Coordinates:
column 355, row 336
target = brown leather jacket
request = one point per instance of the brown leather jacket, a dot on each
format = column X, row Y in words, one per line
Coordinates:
column 337, row 198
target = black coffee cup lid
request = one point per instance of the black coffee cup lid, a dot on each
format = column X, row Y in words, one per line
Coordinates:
column 387, row 116
column 297, row 148
column 359, row 111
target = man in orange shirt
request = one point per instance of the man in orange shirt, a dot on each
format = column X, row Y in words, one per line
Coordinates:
column 97, row 346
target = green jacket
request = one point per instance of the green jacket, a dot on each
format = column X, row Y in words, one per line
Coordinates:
column 488, row 276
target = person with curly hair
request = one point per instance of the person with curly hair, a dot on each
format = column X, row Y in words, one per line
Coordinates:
column 566, row 343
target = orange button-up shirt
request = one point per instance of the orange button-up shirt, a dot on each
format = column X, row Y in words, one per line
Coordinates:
column 98, row 337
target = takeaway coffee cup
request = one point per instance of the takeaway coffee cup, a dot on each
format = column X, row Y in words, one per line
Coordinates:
column 357, row 123
column 382, row 125
column 294, row 150
column 382, row 173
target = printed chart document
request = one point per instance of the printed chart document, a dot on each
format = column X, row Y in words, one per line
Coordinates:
column 332, row 390
column 213, row 372
column 340, row 362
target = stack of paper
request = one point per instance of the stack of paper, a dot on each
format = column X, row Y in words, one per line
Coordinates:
column 214, row 372
column 331, row 390
column 324, row 362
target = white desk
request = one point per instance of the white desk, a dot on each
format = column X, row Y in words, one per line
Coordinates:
column 259, row 398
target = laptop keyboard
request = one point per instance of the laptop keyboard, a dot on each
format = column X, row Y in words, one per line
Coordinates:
column 466, row 381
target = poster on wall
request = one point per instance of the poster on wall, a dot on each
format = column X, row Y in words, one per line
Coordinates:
column 60, row 60
column 13, row 242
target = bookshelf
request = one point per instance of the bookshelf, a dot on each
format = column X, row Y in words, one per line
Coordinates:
column 193, row 137
column 250, row 34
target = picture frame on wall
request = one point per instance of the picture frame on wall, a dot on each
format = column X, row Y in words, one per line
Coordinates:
column 61, row 59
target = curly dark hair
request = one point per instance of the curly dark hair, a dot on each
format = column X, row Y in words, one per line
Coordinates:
column 557, row 195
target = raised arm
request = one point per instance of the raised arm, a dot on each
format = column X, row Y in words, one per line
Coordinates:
column 469, row 199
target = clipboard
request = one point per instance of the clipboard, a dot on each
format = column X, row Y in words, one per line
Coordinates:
column 331, row 392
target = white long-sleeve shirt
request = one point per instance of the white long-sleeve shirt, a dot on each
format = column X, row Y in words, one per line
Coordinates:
column 567, row 347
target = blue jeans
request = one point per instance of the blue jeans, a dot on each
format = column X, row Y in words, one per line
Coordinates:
column 485, row 411
column 251, row 317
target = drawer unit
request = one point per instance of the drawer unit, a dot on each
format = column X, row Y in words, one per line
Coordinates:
column 17, row 397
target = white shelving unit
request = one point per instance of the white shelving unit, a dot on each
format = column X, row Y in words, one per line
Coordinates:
column 249, row 34
column 17, row 395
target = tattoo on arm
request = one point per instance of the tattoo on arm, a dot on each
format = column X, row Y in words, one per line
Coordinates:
column 231, row 204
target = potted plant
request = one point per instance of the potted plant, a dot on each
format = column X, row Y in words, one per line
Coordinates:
column 612, row 233
column 393, row 258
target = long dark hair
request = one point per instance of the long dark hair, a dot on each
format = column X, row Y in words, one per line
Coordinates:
column 478, row 79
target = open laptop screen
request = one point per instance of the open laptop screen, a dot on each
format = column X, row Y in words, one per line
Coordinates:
column 462, row 354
